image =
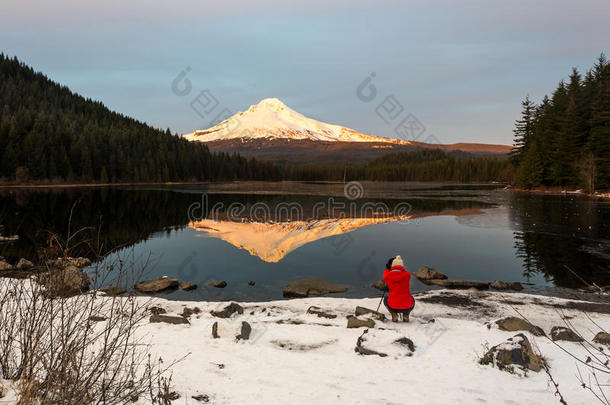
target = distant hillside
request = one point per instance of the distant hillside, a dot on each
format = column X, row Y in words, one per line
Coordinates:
column 48, row 132
column 415, row 165
column 306, row 151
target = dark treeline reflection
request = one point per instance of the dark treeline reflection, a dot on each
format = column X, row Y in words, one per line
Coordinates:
column 558, row 231
column 126, row 216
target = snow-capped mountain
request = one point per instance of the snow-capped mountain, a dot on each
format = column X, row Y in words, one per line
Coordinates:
column 273, row 119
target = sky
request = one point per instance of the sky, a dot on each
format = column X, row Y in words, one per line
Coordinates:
column 461, row 68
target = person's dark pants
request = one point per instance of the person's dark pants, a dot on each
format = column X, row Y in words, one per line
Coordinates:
column 399, row 311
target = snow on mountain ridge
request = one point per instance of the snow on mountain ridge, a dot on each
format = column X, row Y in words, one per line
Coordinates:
column 271, row 118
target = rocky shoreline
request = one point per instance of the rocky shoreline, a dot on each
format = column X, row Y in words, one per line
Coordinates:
column 476, row 344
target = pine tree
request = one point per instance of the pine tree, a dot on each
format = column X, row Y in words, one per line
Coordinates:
column 524, row 128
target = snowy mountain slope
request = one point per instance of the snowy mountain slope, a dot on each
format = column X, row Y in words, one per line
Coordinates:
column 273, row 119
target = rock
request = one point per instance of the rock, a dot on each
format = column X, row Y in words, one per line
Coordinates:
column 174, row 320
column 307, row 287
column 603, row 338
column 428, row 273
column 406, row 342
column 380, row 285
column 24, row 264
column 320, row 313
column 72, row 261
column 228, row 311
column 459, row 284
column 218, row 284
column 505, row 285
column 215, row 330
column 95, row 318
column 65, row 282
column 186, row 312
column 157, row 310
column 188, row 286
column 363, row 350
column 251, row 282
column 246, row 329
column 201, row 398
column 515, row 356
column 365, row 311
column 5, row 265
column 161, row 284
column 353, row 322
column 114, row 291
column 563, row 333
column 512, row 324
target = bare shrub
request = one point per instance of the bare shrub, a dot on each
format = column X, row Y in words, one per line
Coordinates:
column 80, row 349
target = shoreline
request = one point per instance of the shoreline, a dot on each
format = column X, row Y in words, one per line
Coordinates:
column 293, row 355
column 561, row 191
column 122, row 184
column 303, row 351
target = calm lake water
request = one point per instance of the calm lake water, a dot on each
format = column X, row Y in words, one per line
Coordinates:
column 272, row 233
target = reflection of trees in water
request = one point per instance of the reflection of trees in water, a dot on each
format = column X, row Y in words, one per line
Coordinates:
column 558, row 231
column 128, row 216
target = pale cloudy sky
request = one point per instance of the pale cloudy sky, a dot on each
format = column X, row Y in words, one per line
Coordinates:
column 460, row 67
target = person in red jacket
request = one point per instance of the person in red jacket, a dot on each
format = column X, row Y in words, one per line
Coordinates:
column 399, row 301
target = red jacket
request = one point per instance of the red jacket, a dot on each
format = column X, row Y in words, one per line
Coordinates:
column 398, row 280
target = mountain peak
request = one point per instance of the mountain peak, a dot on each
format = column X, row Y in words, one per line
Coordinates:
column 272, row 104
column 271, row 118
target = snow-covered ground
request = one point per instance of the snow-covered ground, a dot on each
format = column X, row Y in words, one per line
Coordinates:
column 296, row 357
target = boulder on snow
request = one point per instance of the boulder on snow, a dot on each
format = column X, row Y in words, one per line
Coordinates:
column 5, row 265
column 307, row 287
column 66, row 282
column 158, row 285
column 24, row 264
column 218, row 284
column 360, row 349
column 353, row 322
column 380, row 285
column 365, row 311
column 563, row 333
column 246, row 329
column 157, row 310
column 228, row 311
column 188, row 286
column 186, row 312
column 320, row 312
column 515, row 356
column 458, row 284
column 114, row 291
column 71, row 261
column 406, row 342
column 174, row 320
column 201, row 398
column 384, row 343
column 428, row 273
column 603, row 338
column 505, row 285
column 512, row 324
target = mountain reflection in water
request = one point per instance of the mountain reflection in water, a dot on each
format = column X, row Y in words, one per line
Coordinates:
column 466, row 231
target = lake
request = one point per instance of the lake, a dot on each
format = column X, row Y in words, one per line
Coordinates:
column 272, row 233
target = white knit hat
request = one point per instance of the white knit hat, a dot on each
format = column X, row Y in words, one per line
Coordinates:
column 397, row 261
